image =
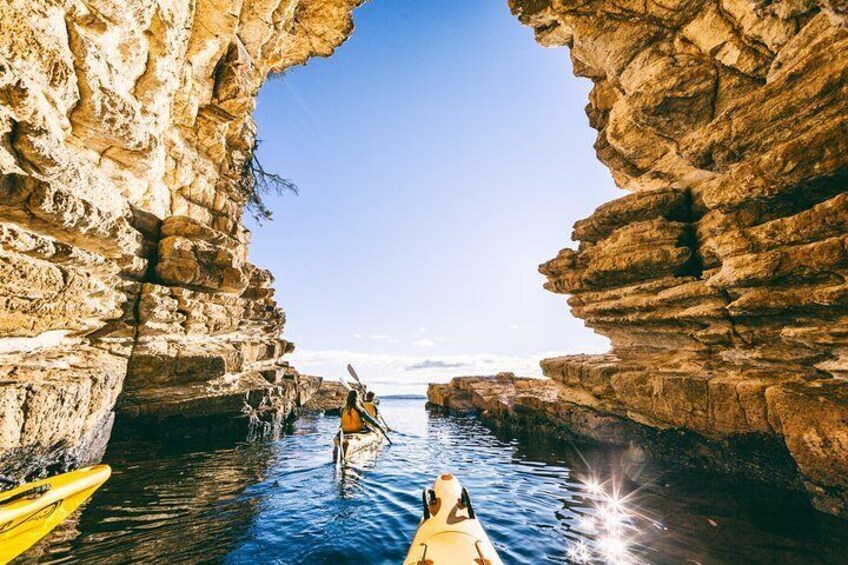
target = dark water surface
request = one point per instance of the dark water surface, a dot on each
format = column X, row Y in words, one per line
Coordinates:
column 541, row 502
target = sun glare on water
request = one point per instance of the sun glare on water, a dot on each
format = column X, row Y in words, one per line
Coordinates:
column 612, row 528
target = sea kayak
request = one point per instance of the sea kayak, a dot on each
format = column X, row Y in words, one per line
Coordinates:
column 348, row 446
column 449, row 532
column 30, row 511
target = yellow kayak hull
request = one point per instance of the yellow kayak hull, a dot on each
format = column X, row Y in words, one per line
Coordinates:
column 26, row 519
column 449, row 532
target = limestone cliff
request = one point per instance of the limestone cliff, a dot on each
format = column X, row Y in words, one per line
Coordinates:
column 721, row 280
column 125, row 138
column 125, row 135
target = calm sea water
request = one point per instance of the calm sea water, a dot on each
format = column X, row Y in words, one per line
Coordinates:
column 541, row 502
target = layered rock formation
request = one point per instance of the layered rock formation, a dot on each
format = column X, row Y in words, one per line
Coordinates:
column 546, row 407
column 125, row 147
column 328, row 399
column 721, row 280
column 126, row 143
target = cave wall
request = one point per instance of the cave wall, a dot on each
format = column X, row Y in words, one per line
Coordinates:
column 124, row 131
column 125, row 126
column 720, row 280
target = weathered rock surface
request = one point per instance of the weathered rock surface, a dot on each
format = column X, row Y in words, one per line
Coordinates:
column 721, row 280
column 125, row 129
column 124, row 133
column 329, row 398
column 544, row 406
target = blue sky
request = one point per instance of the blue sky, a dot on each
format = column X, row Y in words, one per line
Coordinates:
column 441, row 155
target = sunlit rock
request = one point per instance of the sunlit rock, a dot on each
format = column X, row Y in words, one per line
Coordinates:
column 124, row 132
column 720, row 280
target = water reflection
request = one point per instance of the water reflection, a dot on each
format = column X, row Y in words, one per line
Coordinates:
column 541, row 501
column 349, row 475
column 163, row 500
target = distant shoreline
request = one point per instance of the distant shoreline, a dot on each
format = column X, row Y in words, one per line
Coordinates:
column 403, row 396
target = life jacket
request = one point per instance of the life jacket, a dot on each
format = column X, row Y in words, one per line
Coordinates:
column 371, row 408
column 351, row 421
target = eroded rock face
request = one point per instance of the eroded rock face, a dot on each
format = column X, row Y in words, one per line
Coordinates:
column 544, row 406
column 720, row 280
column 124, row 131
column 328, row 399
column 125, row 127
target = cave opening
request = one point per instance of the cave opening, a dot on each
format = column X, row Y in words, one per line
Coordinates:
column 438, row 163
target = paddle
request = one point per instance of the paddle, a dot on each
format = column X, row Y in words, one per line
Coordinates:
column 385, row 435
column 355, row 376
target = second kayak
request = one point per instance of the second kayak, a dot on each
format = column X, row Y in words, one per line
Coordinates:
column 449, row 532
column 29, row 512
column 347, row 446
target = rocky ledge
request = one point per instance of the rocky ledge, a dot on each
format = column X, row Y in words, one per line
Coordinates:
column 720, row 281
column 126, row 162
column 328, row 399
column 255, row 405
column 126, row 159
column 559, row 409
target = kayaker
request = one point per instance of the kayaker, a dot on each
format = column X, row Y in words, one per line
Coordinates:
column 354, row 416
column 371, row 406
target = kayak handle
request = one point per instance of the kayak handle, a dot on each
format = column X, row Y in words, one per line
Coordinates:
column 428, row 499
column 34, row 492
column 423, row 560
column 424, row 504
column 482, row 560
column 465, row 500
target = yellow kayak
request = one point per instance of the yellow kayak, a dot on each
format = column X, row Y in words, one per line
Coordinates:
column 30, row 511
column 354, row 444
column 449, row 532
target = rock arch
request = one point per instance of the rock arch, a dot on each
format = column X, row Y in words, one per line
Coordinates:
column 124, row 128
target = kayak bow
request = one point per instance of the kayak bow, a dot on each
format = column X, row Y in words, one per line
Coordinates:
column 29, row 512
column 449, row 532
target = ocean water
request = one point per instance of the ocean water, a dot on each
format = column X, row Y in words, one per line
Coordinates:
column 541, row 501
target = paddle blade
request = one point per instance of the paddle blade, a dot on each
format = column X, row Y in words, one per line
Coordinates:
column 353, row 373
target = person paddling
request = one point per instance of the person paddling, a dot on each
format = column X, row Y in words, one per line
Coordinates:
column 371, row 407
column 354, row 416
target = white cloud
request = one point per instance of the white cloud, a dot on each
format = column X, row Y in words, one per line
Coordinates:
column 514, row 326
column 379, row 336
column 424, row 343
column 411, row 373
column 422, row 329
column 428, row 364
column 357, row 336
